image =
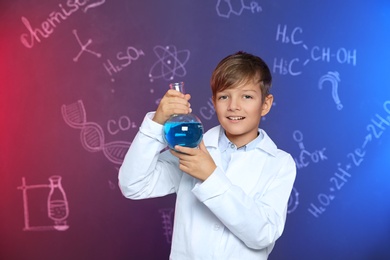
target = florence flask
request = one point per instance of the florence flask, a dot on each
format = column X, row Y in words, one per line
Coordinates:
column 182, row 129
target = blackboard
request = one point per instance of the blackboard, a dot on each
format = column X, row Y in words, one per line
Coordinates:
column 78, row 76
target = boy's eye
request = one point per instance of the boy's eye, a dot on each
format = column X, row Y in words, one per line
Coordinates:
column 222, row 97
column 247, row 96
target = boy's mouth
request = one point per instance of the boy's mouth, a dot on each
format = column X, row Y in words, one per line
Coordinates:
column 235, row 118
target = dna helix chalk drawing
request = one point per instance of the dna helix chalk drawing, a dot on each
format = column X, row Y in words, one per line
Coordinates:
column 92, row 134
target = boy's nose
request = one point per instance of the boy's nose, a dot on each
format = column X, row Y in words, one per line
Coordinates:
column 234, row 105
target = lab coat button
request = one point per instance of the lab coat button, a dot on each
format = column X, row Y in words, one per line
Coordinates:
column 217, row 227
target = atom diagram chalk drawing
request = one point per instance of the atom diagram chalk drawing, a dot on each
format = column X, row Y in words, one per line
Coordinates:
column 170, row 63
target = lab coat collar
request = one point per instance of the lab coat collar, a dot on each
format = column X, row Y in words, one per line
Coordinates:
column 266, row 144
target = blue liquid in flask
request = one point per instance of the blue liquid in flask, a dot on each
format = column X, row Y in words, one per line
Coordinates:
column 188, row 134
column 183, row 129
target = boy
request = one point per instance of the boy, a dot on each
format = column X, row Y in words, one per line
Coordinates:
column 233, row 190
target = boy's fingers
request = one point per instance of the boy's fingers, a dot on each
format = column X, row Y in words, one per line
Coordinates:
column 202, row 146
column 182, row 149
column 175, row 93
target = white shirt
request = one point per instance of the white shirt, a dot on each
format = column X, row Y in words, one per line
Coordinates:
column 234, row 214
column 227, row 148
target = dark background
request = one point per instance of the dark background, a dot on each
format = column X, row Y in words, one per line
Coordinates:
column 73, row 94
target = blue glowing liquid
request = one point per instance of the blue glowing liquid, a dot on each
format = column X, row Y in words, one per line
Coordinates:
column 188, row 134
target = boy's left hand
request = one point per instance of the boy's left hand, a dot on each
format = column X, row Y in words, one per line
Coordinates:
column 196, row 162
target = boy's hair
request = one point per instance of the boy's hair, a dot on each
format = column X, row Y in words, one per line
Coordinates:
column 239, row 68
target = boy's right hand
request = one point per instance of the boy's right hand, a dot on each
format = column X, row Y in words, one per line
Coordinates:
column 173, row 102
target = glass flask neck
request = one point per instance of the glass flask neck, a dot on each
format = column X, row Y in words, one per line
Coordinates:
column 178, row 86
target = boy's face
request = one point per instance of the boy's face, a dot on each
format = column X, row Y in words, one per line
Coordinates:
column 239, row 111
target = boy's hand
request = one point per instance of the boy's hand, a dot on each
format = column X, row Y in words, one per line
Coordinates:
column 195, row 162
column 173, row 102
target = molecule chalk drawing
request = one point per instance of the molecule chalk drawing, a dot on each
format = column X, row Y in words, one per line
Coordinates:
column 123, row 59
column 92, row 135
column 170, row 63
column 56, row 201
column 333, row 78
column 227, row 7
column 378, row 125
column 306, row 157
column 167, row 223
column 84, row 47
column 294, row 66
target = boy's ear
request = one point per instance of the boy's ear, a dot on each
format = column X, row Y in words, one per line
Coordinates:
column 267, row 104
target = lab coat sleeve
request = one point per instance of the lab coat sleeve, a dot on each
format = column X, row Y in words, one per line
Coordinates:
column 256, row 220
column 145, row 171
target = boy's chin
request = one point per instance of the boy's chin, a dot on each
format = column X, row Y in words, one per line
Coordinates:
column 234, row 131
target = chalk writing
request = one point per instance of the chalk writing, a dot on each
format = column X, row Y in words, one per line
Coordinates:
column 55, row 18
column 167, row 223
column 208, row 110
column 84, row 47
column 57, row 205
column 95, row 3
column 124, row 59
column 92, row 135
column 305, row 157
column 355, row 158
column 294, row 66
column 293, row 201
column 333, row 78
column 122, row 124
column 227, row 7
column 170, row 63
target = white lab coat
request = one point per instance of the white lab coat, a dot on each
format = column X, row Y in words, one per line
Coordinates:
column 237, row 214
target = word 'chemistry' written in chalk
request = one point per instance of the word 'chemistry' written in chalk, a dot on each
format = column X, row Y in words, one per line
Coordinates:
column 54, row 19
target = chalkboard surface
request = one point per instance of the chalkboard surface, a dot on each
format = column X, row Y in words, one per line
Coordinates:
column 77, row 77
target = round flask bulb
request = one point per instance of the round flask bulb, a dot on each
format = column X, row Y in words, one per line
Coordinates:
column 182, row 129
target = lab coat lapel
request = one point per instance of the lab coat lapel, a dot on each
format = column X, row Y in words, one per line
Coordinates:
column 246, row 170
